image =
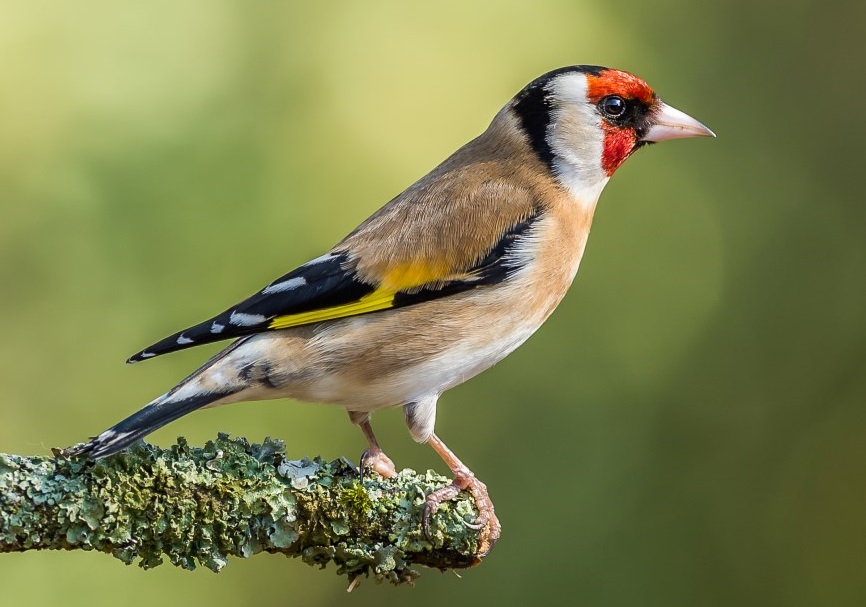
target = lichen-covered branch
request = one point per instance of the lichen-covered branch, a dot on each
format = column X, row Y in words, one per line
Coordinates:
column 230, row 498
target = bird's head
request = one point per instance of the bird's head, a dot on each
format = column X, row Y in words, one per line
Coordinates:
column 584, row 121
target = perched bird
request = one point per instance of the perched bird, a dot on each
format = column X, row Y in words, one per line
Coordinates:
column 439, row 284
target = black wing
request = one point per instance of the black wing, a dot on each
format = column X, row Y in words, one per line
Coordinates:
column 322, row 283
column 328, row 288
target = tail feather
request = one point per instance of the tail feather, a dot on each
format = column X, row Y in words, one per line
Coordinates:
column 160, row 412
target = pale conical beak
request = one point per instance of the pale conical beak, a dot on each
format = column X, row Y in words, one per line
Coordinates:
column 670, row 123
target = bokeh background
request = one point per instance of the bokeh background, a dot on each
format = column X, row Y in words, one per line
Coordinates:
column 687, row 429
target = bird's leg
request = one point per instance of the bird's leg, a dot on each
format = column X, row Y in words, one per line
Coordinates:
column 373, row 457
column 463, row 479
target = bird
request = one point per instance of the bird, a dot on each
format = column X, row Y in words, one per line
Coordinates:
column 438, row 285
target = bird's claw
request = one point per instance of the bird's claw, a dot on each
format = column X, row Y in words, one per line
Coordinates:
column 434, row 500
column 486, row 522
column 479, row 523
column 376, row 460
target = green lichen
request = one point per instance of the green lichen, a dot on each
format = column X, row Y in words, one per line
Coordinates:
column 357, row 503
column 230, row 498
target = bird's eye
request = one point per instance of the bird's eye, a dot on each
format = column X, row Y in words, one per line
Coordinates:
column 612, row 106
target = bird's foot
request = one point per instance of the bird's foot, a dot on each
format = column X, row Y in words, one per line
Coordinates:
column 486, row 521
column 376, row 460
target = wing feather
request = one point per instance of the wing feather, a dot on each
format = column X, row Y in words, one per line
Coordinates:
column 325, row 283
column 456, row 251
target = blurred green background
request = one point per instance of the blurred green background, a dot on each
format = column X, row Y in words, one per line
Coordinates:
column 694, row 411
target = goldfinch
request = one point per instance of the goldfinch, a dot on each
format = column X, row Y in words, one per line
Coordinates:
column 438, row 285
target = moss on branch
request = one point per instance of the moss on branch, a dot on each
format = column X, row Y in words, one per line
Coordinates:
column 231, row 498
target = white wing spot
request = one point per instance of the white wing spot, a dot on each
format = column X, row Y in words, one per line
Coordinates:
column 216, row 327
column 239, row 319
column 146, row 355
column 319, row 259
column 286, row 285
column 182, row 340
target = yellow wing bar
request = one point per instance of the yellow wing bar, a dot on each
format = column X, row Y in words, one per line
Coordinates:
column 377, row 300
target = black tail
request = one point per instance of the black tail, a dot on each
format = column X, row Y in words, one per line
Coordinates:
column 160, row 412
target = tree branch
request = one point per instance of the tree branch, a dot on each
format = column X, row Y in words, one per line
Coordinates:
column 230, row 498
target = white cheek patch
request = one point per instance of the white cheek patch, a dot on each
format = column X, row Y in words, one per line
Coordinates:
column 576, row 139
